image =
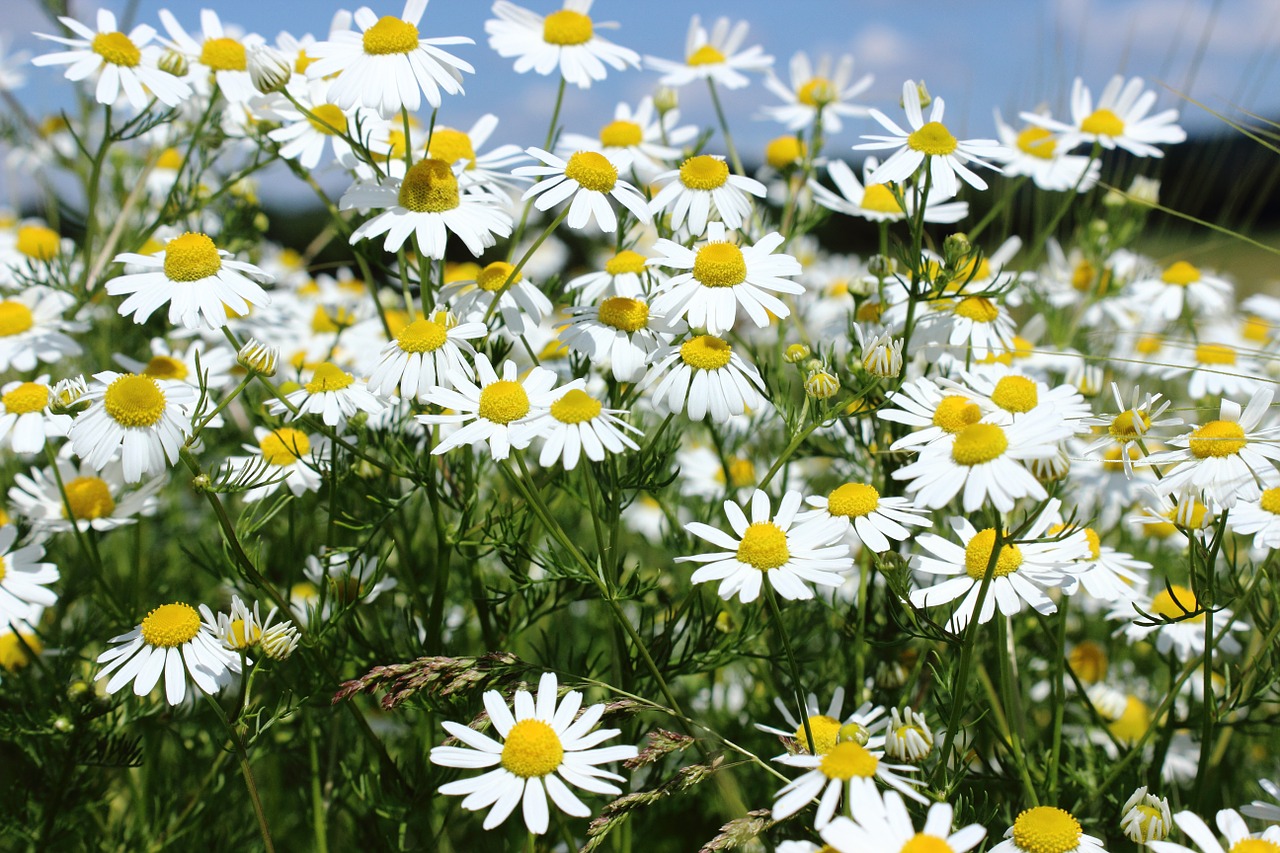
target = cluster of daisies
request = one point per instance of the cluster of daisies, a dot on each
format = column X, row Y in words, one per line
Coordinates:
column 1013, row 431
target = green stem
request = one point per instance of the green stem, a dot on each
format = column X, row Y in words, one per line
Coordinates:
column 524, row 259
column 247, row 772
column 796, row 689
column 724, row 128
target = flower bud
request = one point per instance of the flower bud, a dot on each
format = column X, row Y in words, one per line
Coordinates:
column 665, row 100
column 784, row 152
column 883, row 356
column 257, row 357
column 821, row 385
column 796, row 353
column 173, row 62
column 268, row 69
column 956, row 249
column 923, row 94
column 278, row 641
column 855, row 732
column 880, row 266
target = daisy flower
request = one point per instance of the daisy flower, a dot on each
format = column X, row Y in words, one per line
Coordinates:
column 947, row 156
column 173, row 642
column 908, row 737
column 1145, row 817
column 1019, row 575
column 346, row 578
column 817, row 92
column 875, row 202
column 864, row 725
column 1119, row 120
column 722, row 277
column 1264, row 810
column 25, row 419
column 333, row 394
column 715, row 56
column 703, row 184
column 1214, row 369
column 194, row 277
column 220, row 52
column 1130, row 426
column 502, row 412
column 1228, row 459
column 243, row 629
column 1047, row 828
column 770, row 547
column 1176, row 618
column 935, row 413
column 1232, row 827
column 50, row 501
column 620, row 333
column 1007, row 396
column 388, row 65
column 199, row 365
column 624, row 274
column 1258, row 518
column 521, row 304
column 24, row 592
column 464, row 149
column 282, row 456
column 972, row 325
column 425, row 353
column 304, row 137
column 123, row 62
column 578, row 424
column 848, row 766
column 703, row 375
column 1182, row 287
column 869, row 520
column 140, row 417
column 428, row 204
column 884, row 825
column 32, row 329
column 545, row 743
column 636, row 139
column 565, row 40
column 1038, row 153
column 590, row 179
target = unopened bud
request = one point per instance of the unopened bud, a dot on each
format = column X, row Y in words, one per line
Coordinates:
column 784, row 152
column 257, row 357
column 880, row 266
column 855, row 732
column 268, row 69
column 923, row 94
column 173, row 62
column 796, row 353
column 956, row 248
column 665, row 100
column 821, row 385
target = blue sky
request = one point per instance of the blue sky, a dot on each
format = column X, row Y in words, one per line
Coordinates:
column 979, row 54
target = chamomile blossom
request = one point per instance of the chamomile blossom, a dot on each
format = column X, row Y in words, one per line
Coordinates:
column 576, row 425
column 139, row 417
column 545, row 743
column 32, row 328
column 51, row 501
column 1145, row 817
column 723, row 277
column 220, row 51
column 1181, row 287
column 1232, row 827
column 590, row 179
column 876, row 202
column 869, row 519
column 243, row 629
column 848, row 767
column 24, row 580
column 714, row 55
column 304, row 136
column 772, row 546
column 333, row 394
column 489, row 169
column 817, row 91
column 283, row 456
column 1119, row 119
column 624, row 274
column 124, row 62
column 172, row 642
column 426, row 352
column 636, row 139
column 908, row 736
column 1047, row 828
column 1176, row 619
column 947, row 156
column 865, row 724
column 883, row 824
column 563, row 41
column 194, row 278
column 935, row 412
column 702, row 186
column 25, row 419
column 519, row 301
column 621, row 333
column 388, row 66
column 1216, row 366
column 1039, row 154
column 1258, row 518
column 703, row 375
column 1131, row 425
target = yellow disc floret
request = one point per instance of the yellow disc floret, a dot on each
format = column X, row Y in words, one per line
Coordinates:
column 503, row 401
column 977, row 556
column 284, row 446
column 1215, row 354
column 879, row 199
column 328, row 377
column 1217, row 438
column 450, row 146
column 1016, row 394
column 704, row 172
column 26, row 398
column 422, row 335
column 88, row 498
column 1130, row 425
column 705, row 55
column 328, row 119
column 38, row 242
column 706, row 352
column 825, row 731
column 390, row 35
column 621, row 134
column 1038, row 142
column 933, row 139
column 848, row 759
column 170, row 625
column 764, row 546
column 134, row 401
column 191, row 257
column 1088, row 661
column 1133, row 722
column 1271, row 501
column 625, row 261
column 532, row 748
column 853, row 500
column 818, row 92
column 1180, row 274
column 720, row 265
column 1045, row 829
column 954, row 413
column 979, row 443
column 1254, row 845
column 575, row 407
column 1175, row 602
column 921, row 843
column 624, row 314
column 567, row 27
column 592, row 171
column 117, row 49
column 494, row 276
column 979, row 309
column 1103, row 122
column 784, row 151
column 429, row 187
column 223, row 54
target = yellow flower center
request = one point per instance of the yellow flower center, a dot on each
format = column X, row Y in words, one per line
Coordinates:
column 239, row 638
column 742, row 473
column 1130, row 425
column 450, row 146
column 1176, row 602
column 422, row 335
column 621, row 134
column 1088, row 660
column 979, row 309
column 705, row 55
column 1046, row 829
column 921, row 843
column 1015, row 394
column 853, row 500
column 1215, row 354
column 848, row 759
column 818, row 92
column 933, row 139
column 170, row 158
column 592, row 171
column 429, row 187
column 88, row 498
column 1082, row 276
column 825, row 731
column 328, row 119
column 493, row 277
column 284, row 446
column 879, row 198
column 390, row 35
column 1133, row 722
column 532, row 747
column 1217, row 438
column 134, row 401
column 223, row 54
column 624, row 314
column 1271, row 501
column 503, row 401
column 567, row 27
column 706, row 352
column 328, row 377
column 1179, row 516
column 117, row 49
column 1103, row 122
column 1254, row 845
column 1149, row 345
column 191, row 257
column 979, row 443
column 1180, row 274
column 784, row 151
column 1095, row 543
column 165, row 367
column 1038, row 142
column 38, row 242
column 704, row 172
column 977, row 555
column 625, row 261
column 301, row 64
column 575, row 407
column 13, row 652
column 1255, row 329
column 170, row 625
column 954, row 413
column 868, row 312
column 764, row 546
column 720, row 265
column 327, row 321
column 26, row 398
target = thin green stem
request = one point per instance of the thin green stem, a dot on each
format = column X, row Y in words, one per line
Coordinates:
column 724, row 128
column 238, row 740
column 796, row 689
